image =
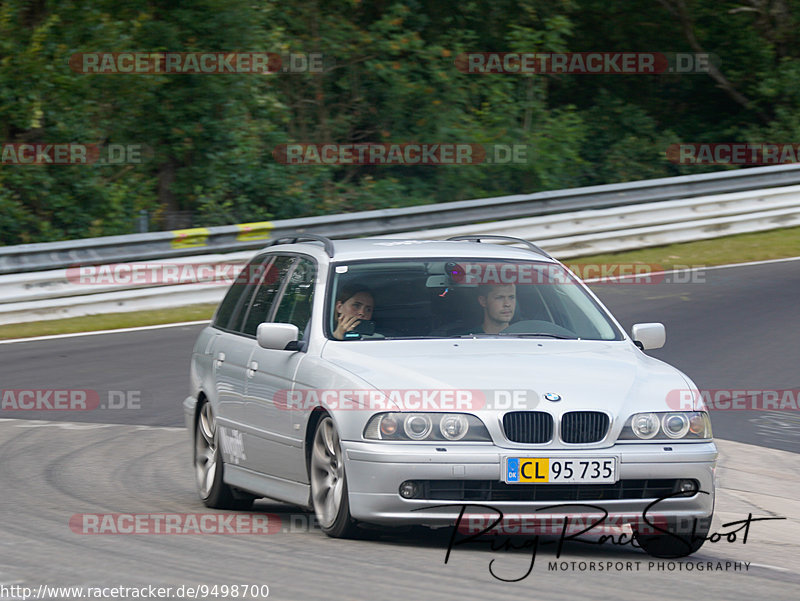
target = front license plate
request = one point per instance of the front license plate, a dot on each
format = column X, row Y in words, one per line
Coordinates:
column 560, row 470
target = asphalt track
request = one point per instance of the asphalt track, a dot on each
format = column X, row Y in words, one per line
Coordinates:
column 735, row 329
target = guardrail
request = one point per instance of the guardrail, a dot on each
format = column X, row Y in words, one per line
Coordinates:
column 60, row 293
column 250, row 236
column 653, row 224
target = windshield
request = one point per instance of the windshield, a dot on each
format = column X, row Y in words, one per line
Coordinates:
column 440, row 298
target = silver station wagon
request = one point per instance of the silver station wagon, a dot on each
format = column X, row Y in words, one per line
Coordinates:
column 445, row 383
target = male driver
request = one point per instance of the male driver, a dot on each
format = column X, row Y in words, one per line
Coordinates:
column 499, row 303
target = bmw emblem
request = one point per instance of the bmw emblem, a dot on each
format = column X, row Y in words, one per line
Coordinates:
column 552, row 396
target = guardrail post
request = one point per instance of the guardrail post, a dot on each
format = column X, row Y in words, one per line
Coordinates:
column 142, row 222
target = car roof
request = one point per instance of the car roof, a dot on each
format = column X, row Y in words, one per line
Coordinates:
column 394, row 248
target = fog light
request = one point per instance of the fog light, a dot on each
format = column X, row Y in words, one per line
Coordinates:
column 408, row 489
column 687, row 486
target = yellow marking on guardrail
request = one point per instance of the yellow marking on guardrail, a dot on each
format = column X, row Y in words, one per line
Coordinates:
column 196, row 236
column 258, row 230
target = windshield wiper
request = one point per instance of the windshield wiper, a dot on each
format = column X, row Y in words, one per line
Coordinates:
column 534, row 334
column 412, row 337
column 481, row 335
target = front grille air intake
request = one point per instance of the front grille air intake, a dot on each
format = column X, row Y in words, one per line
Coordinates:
column 531, row 427
column 582, row 427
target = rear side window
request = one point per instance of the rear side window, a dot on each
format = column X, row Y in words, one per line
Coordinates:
column 230, row 311
column 295, row 305
column 259, row 310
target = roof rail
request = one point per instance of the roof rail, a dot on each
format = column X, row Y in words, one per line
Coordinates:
column 293, row 239
column 530, row 245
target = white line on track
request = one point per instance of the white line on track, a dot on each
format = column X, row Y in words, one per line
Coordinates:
column 698, row 268
column 98, row 332
column 566, row 262
column 769, row 567
column 42, row 423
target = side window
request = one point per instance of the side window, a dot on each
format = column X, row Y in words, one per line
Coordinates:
column 295, row 304
column 233, row 306
column 260, row 306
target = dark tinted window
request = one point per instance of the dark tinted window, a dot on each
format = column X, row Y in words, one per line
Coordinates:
column 259, row 309
column 231, row 309
column 442, row 298
column 295, row 305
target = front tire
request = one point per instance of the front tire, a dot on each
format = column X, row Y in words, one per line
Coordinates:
column 329, row 483
column 209, row 466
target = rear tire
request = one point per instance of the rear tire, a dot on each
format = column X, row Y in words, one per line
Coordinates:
column 209, row 466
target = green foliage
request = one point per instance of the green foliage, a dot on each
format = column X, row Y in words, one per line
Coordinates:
column 389, row 77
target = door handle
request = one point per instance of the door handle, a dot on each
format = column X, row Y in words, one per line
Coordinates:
column 220, row 359
column 252, row 368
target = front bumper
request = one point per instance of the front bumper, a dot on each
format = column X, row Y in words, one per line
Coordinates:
column 376, row 470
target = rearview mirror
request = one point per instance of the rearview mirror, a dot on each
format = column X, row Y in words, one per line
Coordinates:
column 649, row 335
column 276, row 335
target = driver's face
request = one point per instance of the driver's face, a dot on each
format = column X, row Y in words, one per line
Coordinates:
column 500, row 303
column 359, row 305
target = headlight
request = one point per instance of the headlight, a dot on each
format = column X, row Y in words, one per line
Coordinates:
column 645, row 425
column 417, row 427
column 674, row 425
column 454, row 426
column 426, row 427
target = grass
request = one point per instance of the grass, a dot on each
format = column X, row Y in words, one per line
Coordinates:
column 741, row 248
column 774, row 244
column 108, row 321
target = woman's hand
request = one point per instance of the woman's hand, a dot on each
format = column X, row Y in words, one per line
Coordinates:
column 345, row 324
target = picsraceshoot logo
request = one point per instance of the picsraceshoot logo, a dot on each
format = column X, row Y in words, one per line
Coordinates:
column 585, row 63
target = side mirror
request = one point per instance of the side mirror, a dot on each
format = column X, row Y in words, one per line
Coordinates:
column 276, row 335
column 649, row 335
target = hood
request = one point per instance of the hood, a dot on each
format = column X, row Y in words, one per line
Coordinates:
column 510, row 374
